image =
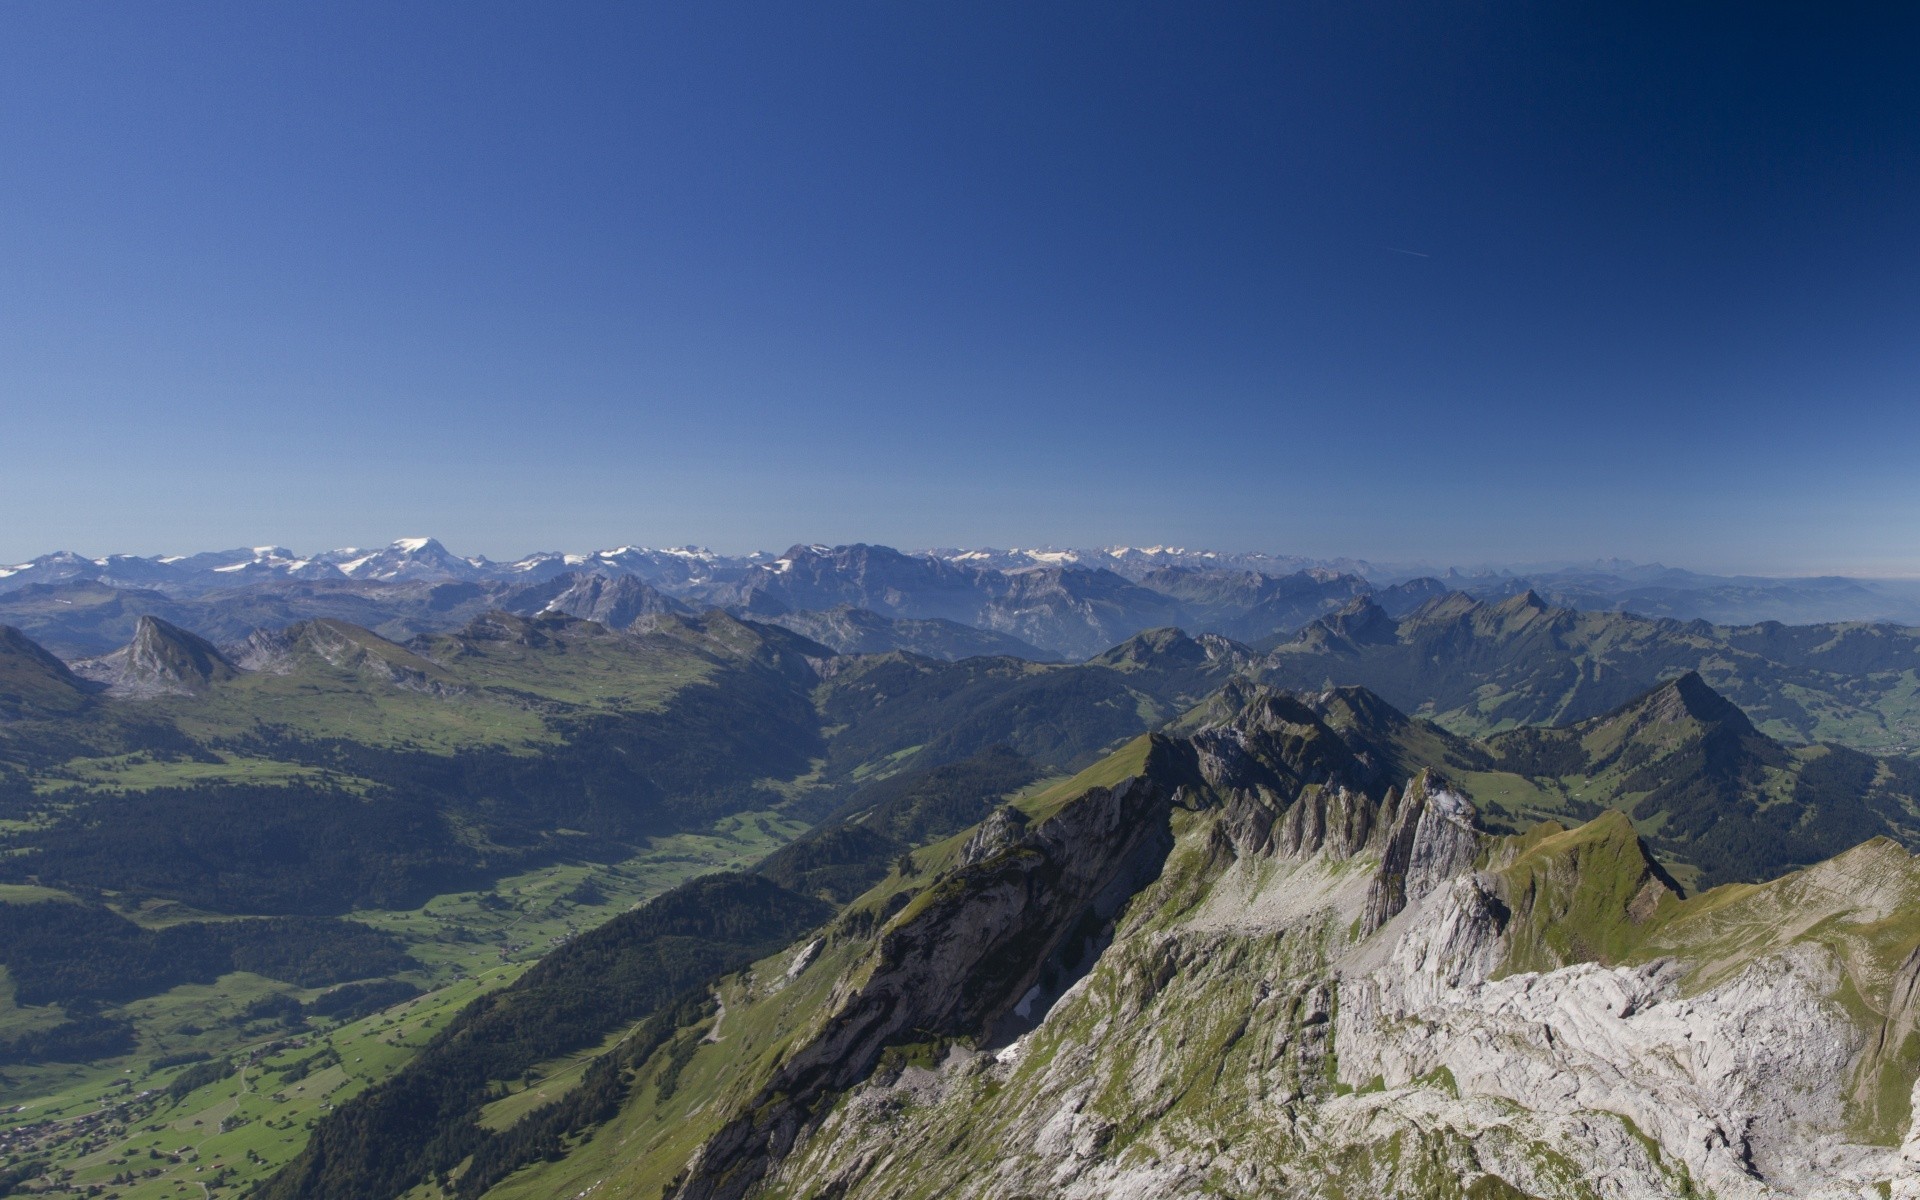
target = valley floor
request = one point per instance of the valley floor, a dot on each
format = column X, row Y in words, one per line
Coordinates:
column 111, row 1127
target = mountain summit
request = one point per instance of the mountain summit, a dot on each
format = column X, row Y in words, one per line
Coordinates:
column 161, row 660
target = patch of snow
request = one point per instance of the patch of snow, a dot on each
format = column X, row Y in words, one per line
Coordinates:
column 412, row 545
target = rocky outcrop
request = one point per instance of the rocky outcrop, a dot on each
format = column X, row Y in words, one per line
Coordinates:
column 1735, row 1056
column 1432, row 839
column 1266, row 1041
column 614, row 601
column 1002, row 829
column 1725, row 1082
column 967, row 957
column 342, row 647
column 161, row 660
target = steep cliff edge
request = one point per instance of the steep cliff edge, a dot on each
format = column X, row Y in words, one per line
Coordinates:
column 970, row 957
column 1545, row 1016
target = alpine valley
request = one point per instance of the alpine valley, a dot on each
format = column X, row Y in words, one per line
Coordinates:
column 849, row 872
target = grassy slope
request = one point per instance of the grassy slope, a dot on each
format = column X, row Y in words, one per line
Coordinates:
column 764, row 1012
column 466, row 946
column 494, row 691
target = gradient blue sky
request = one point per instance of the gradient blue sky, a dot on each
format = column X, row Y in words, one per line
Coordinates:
column 565, row 275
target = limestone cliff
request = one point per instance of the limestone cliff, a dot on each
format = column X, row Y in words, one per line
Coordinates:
column 1276, row 957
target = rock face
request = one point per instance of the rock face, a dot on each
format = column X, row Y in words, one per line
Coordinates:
column 969, row 956
column 1279, row 956
column 1431, row 841
column 1742, row 1083
column 1000, row 831
column 342, row 647
column 1337, row 1013
column 162, row 659
column 616, row 601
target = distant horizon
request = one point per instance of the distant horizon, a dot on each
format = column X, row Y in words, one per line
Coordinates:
column 11, row 564
column 1401, row 282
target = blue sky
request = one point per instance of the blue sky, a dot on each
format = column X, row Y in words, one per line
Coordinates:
column 1457, row 282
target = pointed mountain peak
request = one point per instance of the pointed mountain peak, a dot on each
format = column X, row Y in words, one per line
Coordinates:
column 1355, row 707
column 404, row 559
column 1690, row 697
column 164, row 656
column 161, row 660
column 1528, row 601
column 1360, row 620
column 1581, row 894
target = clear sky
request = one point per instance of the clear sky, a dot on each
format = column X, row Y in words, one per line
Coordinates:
column 1453, row 281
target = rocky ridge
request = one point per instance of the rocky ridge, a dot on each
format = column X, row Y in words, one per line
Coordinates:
column 1328, row 982
column 162, row 659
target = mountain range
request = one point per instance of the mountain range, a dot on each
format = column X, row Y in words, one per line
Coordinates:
column 823, row 890
column 954, row 584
